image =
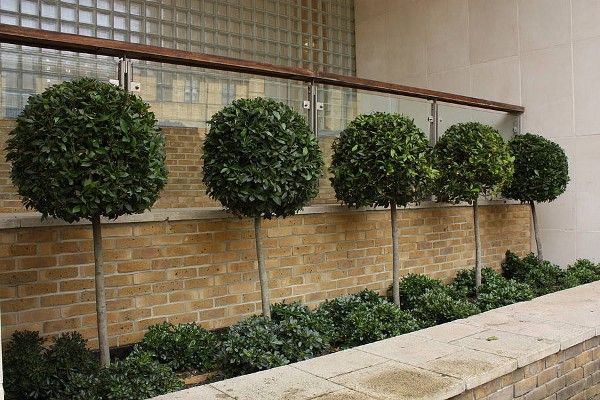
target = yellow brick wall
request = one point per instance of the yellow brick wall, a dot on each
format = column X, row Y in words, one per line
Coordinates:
column 184, row 162
column 204, row 270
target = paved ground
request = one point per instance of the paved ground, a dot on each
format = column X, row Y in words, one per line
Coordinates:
column 434, row 363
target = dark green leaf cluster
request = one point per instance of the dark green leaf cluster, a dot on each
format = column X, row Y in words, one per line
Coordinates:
column 368, row 323
column 138, row 377
column 365, row 317
column 87, row 148
column 382, row 158
column 184, row 347
column 338, row 312
column 413, row 286
column 584, row 271
column 472, row 160
column 32, row 371
column 293, row 334
column 261, row 159
column 495, row 291
column 542, row 276
column 541, row 169
column 441, row 305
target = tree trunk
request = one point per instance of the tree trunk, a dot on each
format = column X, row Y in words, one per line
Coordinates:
column 262, row 272
column 536, row 231
column 100, row 294
column 477, row 245
column 396, row 256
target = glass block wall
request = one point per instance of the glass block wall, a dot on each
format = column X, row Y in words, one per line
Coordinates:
column 314, row 34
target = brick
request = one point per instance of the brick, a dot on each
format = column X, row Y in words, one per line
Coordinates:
column 525, row 386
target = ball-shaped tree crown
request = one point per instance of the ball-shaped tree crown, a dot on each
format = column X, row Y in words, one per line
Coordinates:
column 541, row 169
column 261, row 159
column 473, row 160
column 381, row 158
column 85, row 149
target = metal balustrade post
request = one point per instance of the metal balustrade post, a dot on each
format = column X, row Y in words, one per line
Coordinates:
column 434, row 123
column 517, row 124
column 313, row 106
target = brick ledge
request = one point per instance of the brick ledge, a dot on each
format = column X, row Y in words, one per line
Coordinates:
column 33, row 219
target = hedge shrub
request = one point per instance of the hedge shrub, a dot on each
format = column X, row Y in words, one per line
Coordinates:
column 337, row 311
column 138, row 377
column 438, row 306
column 413, row 286
column 495, row 291
column 32, row 371
column 184, row 347
column 371, row 322
column 584, row 271
column 542, row 276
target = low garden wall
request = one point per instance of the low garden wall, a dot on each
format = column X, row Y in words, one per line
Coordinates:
column 199, row 265
column 547, row 348
column 187, row 261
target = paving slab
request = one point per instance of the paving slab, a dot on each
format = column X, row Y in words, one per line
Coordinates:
column 339, row 363
column 196, row 393
column 410, row 349
column 345, row 394
column 449, row 331
column 566, row 334
column 524, row 349
column 396, row 381
column 282, row 383
column 474, row 367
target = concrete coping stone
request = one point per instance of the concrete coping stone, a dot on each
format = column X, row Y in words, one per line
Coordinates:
column 435, row 363
column 34, row 219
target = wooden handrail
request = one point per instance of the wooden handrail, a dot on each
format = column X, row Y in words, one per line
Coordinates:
column 90, row 45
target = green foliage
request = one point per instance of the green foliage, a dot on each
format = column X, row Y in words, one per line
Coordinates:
column 438, row 306
column 542, row 276
column 184, row 347
column 473, row 160
column 338, row 311
column 382, row 158
column 25, row 366
column 261, row 159
column 371, row 322
column 68, row 355
column 291, row 315
column 86, row 148
column 584, row 271
column 541, row 169
column 252, row 345
column 303, row 334
column 34, row 372
column 413, row 286
column 293, row 334
column 495, row 291
column 138, row 377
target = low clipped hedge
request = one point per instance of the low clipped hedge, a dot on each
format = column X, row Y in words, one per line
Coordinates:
column 184, row 347
column 67, row 370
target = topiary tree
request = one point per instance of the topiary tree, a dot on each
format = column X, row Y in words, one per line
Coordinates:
column 541, row 174
column 261, row 161
column 83, row 150
column 473, row 160
column 384, row 160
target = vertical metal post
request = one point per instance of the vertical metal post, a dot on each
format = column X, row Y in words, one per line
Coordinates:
column 313, row 108
column 125, row 73
column 434, row 123
column 517, row 125
column 125, row 76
